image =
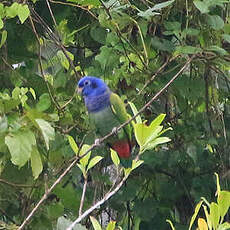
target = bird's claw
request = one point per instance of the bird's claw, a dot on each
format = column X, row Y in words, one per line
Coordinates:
column 115, row 131
column 97, row 142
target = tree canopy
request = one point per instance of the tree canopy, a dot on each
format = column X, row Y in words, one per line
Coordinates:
column 169, row 60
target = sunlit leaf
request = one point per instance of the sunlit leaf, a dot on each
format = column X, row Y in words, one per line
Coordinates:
column 223, row 201
column 171, row 224
column 73, row 144
column 207, row 216
column 23, row 13
column 134, row 110
column 111, row 225
column 84, row 160
column 114, row 157
column 197, row 209
column 214, row 214
column 202, row 225
column 4, row 36
column 95, row 223
column 93, row 162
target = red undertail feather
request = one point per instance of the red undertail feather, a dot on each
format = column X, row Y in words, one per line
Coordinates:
column 122, row 148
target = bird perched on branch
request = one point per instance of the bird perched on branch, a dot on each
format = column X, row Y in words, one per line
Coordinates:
column 106, row 111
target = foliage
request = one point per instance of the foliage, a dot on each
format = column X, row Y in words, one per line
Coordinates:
column 217, row 211
column 136, row 47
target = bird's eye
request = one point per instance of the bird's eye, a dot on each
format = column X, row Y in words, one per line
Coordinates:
column 86, row 82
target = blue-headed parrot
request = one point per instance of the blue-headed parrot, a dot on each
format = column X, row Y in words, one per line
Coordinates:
column 106, row 111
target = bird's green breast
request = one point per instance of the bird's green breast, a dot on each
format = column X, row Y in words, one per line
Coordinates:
column 104, row 121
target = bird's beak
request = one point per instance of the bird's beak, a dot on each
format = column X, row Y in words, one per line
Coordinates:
column 79, row 90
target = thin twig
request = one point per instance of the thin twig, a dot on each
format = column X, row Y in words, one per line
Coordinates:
column 40, row 65
column 108, row 195
column 155, row 74
column 51, row 12
column 44, row 197
column 83, row 195
column 102, row 201
column 17, row 185
column 75, row 5
column 56, row 40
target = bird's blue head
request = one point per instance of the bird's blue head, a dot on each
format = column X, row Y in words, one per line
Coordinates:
column 91, row 86
column 95, row 92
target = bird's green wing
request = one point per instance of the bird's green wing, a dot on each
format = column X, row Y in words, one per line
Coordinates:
column 118, row 108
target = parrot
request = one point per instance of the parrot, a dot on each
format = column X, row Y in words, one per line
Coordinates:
column 107, row 111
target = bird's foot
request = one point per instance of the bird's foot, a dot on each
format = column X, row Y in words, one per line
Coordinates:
column 97, row 142
column 115, row 131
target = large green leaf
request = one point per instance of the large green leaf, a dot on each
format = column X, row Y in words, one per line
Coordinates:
column 47, row 131
column 36, row 162
column 20, row 145
column 223, row 201
column 214, row 214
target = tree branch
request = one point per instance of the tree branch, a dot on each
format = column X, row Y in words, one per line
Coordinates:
column 108, row 195
column 102, row 201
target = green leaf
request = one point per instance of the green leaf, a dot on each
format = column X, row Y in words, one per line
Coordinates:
column 217, row 50
column 2, row 11
column 84, row 160
column 226, row 37
column 224, row 226
column 12, row 11
column 223, row 201
column 202, row 225
column 217, row 184
column 93, row 162
column 73, row 144
column 1, row 26
column 20, row 146
column 171, row 224
column 107, row 58
column 136, row 163
column 54, row 210
column 151, row 11
column 159, row 6
column 82, row 168
column 187, row 50
column 111, row 225
column 95, row 223
column 157, row 121
column 157, row 141
column 47, row 131
column 207, row 217
column 203, row 7
column 23, row 12
column 134, row 110
column 4, row 37
column 64, row 60
column 36, row 162
column 195, row 214
column 3, row 124
column 33, row 93
column 214, row 214
column 114, row 157
column 44, row 102
column 215, row 22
